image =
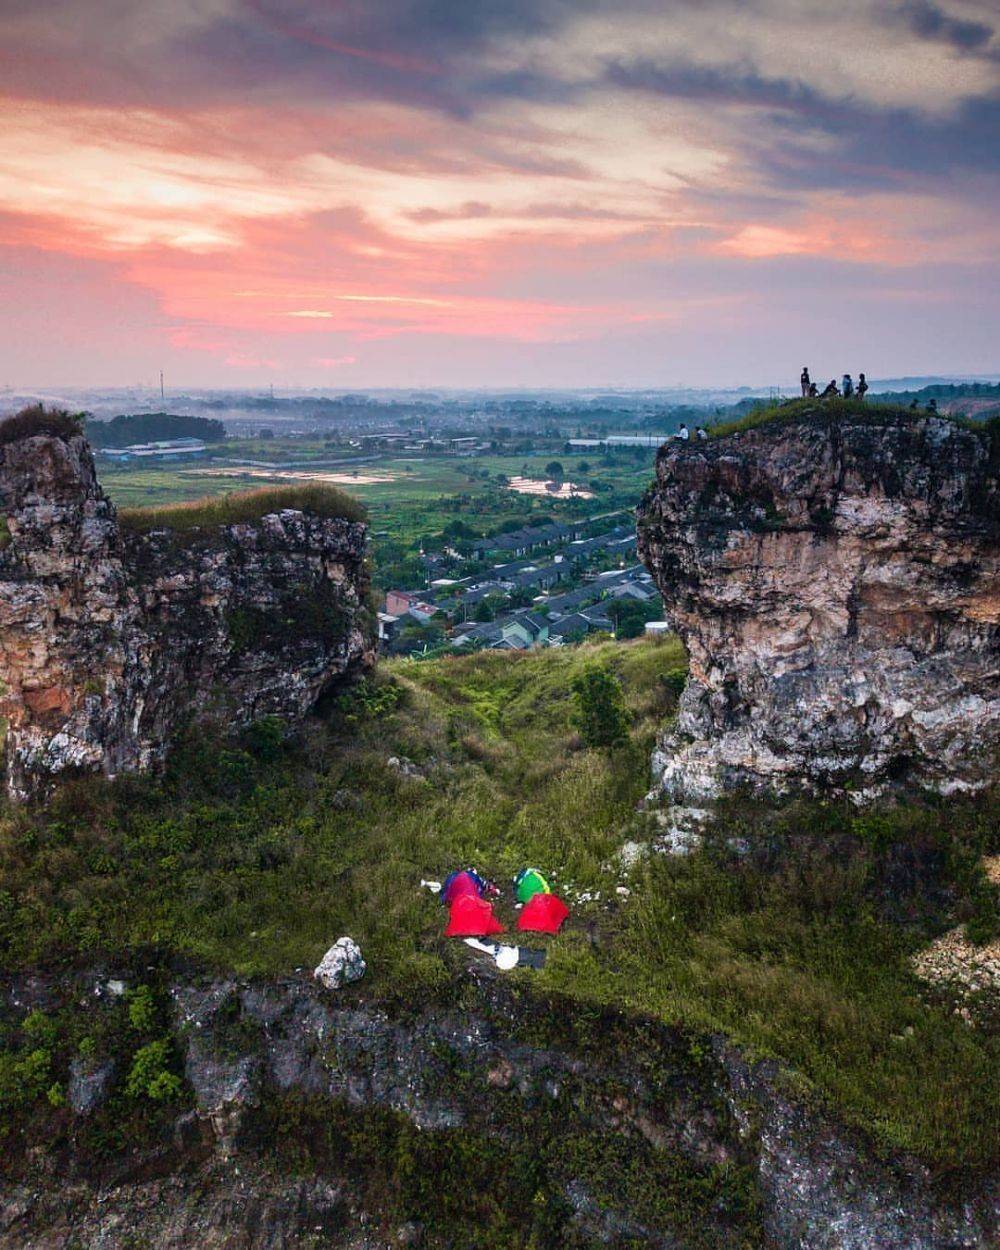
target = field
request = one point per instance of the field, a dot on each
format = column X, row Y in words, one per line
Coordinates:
column 412, row 496
column 253, row 857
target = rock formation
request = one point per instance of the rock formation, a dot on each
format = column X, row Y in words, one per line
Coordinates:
column 835, row 580
column 576, row 1093
column 112, row 639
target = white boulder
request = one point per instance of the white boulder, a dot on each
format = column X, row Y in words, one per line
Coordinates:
column 341, row 964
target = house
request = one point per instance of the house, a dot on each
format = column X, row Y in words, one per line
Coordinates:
column 387, row 625
column 576, row 625
column 164, row 449
column 486, row 635
column 397, row 602
column 527, row 629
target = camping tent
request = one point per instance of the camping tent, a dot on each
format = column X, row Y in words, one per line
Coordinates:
column 543, row 913
column 472, row 916
column 529, row 882
column 467, row 881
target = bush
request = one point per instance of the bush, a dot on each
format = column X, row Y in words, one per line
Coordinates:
column 149, row 1075
column 675, row 679
column 56, row 422
column 23, row 1078
column 600, row 714
column 141, row 1009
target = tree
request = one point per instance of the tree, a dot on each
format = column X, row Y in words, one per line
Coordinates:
column 600, row 713
column 554, row 471
column 630, row 616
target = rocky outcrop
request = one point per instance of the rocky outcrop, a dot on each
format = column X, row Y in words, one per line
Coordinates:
column 610, row 1110
column 835, row 581
column 110, row 639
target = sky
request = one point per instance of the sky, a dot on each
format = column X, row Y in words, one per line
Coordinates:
column 512, row 193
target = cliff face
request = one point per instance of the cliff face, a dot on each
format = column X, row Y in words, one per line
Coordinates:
column 836, row 584
column 110, row 640
column 623, row 1132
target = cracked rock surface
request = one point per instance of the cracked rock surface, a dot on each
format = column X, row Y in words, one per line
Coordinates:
column 837, row 585
column 110, row 640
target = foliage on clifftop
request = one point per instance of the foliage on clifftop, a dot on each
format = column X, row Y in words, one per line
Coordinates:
column 55, row 422
column 828, row 410
column 790, row 932
column 243, row 506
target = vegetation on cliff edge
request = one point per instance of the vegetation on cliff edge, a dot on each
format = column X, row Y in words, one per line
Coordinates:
column 55, row 422
column 829, row 410
column 242, row 507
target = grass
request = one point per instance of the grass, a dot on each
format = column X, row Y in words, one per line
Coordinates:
column 243, row 506
column 253, row 857
column 38, row 419
column 826, row 409
column 423, row 497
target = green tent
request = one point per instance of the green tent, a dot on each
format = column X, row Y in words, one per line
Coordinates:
column 528, row 883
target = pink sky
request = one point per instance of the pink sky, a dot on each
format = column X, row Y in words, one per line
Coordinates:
column 414, row 193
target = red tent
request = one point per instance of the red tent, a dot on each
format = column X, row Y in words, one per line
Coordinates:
column 472, row 916
column 543, row 913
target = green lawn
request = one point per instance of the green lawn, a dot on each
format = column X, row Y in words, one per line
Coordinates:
column 255, row 857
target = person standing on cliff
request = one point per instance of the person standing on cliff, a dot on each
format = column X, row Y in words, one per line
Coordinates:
column 847, row 386
column 806, row 382
column 862, row 388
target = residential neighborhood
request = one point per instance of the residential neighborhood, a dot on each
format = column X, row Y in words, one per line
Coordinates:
column 565, row 581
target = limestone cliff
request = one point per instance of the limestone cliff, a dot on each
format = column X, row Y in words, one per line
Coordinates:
column 834, row 579
column 616, row 1131
column 111, row 639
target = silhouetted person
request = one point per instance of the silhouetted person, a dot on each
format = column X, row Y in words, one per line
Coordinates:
column 913, row 404
column 862, row 386
column 813, row 390
column 683, row 433
column 932, row 406
column 805, row 380
column 847, row 386
column 831, row 390
column 701, row 432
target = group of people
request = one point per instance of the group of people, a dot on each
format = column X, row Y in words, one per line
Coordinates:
column 846, row 390
column 684, row 433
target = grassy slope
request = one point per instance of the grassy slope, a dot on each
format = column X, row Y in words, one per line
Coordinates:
column 247, row 505
column 256, row 859
column 795, row 409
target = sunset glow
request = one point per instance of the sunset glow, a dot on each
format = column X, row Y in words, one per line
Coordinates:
column 407, row 193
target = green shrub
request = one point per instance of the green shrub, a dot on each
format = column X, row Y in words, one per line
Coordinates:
column 23, row 1077
column 150, row 1077
column 675, row 679
column 141, row 1009
column 600, row 713
column 369, row 698
column 40, row 1029
column 266, row 738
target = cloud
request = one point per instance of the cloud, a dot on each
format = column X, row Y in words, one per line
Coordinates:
column 288, row 181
